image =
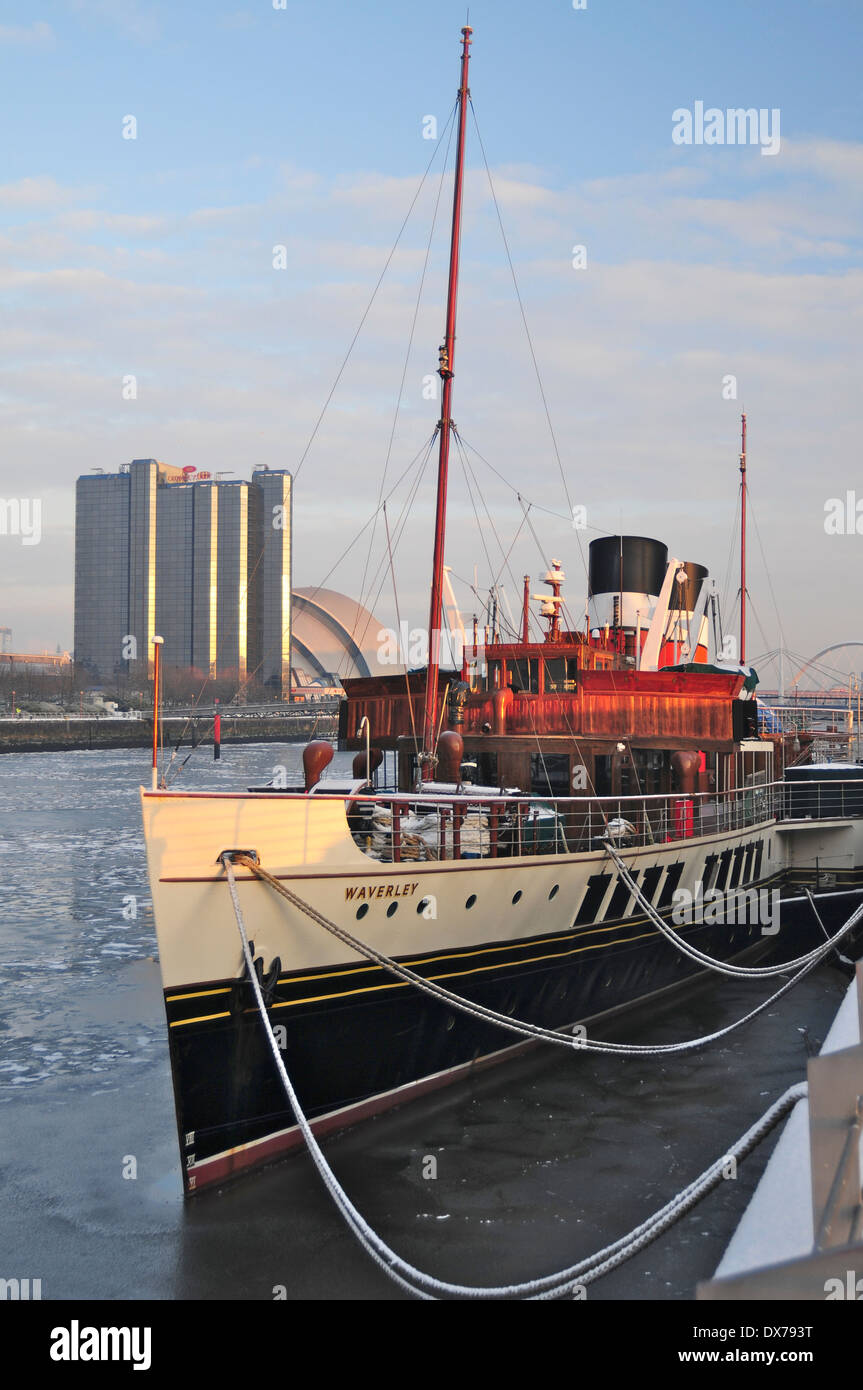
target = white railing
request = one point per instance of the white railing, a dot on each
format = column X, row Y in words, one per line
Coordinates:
column 404, row 827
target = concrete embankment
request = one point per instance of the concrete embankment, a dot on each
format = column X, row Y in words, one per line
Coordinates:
column 54, row 735
column 780, row 1250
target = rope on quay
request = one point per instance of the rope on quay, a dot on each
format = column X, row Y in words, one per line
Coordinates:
column 512, row 1025
column 737, row 971
column 565, row 1281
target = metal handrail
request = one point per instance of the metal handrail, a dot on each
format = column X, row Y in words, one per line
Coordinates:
column 497, row 826
column 517, row 824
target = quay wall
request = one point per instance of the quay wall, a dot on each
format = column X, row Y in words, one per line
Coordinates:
column 57, row 735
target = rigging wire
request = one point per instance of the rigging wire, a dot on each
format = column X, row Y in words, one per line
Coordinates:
column 367, row 310
column 505, row 553
column 449, row 127
column 564, row 609
column 479, row 527
column 250, row 675
column 401, row 526
column 189, row 718
column 731, row 548
column 528, row 335
column 425, row 449
column 537, row 506
column 766, row 568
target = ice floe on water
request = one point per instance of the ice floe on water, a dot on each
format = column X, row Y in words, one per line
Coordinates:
column 75, row 908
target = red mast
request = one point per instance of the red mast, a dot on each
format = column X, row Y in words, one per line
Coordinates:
column 743, row 539
column 447, row 357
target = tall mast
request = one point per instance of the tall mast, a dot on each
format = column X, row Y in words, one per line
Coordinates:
column 743, row 538
column 447, row 358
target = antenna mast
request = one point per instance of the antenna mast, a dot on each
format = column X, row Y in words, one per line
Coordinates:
column 447, row 357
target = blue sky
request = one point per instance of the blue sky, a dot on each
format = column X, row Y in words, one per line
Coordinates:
column 302, row 127
column 337, row 85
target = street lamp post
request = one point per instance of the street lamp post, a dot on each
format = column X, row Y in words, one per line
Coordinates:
column 157, row 649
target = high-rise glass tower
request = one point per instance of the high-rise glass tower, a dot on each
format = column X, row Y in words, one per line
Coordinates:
column 269, row 633
column 205, row 563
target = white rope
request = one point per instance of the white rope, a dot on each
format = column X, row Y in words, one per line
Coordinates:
column 512, row 1025
column 737, row 971
column 426, row 1286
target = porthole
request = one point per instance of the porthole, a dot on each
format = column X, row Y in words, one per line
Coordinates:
column 471, row 900
column 554, row 892
column 422, row 905
column 361, row 911
column 516, row 897
column 392, row 909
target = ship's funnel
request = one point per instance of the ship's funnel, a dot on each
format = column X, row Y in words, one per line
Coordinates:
column 686, row 630
column 626, row 575
column 686, row 594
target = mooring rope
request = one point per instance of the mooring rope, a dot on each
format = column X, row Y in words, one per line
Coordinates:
column 574, row 1278
column 522, row 1028
column 710, row 962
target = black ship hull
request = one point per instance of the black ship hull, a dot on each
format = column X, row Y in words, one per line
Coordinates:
column 358, row 1042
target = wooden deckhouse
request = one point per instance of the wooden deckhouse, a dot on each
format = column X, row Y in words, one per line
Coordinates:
column 569, row 716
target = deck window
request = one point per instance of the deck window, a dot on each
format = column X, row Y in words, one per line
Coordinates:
column 524, row 675
column 554, row 673
column 485, row 773
column 602, row 774
column 549, row 774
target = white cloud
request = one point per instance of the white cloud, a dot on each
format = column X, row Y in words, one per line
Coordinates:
column 839, row 161
column 120, row 223
column 38, row 191
column 127, row 17
column 685, row 284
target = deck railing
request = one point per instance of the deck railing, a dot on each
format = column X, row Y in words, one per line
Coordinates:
column 405, row 826
column 835, row 800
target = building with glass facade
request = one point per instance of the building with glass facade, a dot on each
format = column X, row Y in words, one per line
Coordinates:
column 269, row 631
column 204, row 563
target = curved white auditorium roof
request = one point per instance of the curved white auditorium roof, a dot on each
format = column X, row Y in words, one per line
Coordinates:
column 333, row 633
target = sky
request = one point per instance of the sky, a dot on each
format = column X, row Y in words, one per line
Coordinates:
column 713, row 277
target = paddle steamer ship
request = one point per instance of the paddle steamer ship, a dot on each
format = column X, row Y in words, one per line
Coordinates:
column 486, row 866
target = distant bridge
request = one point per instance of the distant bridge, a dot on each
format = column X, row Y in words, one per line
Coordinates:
column 836, row 685
column 813, row 661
